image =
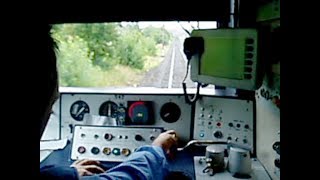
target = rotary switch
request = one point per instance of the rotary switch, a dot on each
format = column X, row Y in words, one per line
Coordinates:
column 218, row 134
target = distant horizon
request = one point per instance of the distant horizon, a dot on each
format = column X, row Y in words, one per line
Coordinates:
column 176, row 26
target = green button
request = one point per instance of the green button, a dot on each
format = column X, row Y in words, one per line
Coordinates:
column 116, row 151
column 95, row 150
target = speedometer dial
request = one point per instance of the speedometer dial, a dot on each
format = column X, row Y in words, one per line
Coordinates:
column 78, row 109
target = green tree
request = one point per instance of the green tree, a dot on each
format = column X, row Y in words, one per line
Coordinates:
column 101, row 39
column 90, row 52
column 133, row 46
column 160, row 35
column 74, row 65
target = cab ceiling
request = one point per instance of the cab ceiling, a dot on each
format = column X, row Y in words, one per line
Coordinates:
column 152, row 11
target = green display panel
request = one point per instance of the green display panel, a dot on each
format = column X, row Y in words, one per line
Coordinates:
column 229, row 58
column 225, row 58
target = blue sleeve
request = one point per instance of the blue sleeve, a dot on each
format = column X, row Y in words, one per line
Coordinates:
column 148, row 162
column 58, row 172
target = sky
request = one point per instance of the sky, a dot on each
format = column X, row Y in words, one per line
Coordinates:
column 177, row 26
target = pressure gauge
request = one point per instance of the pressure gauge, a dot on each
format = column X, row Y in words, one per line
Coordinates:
column 78, row 109
column 109, row 109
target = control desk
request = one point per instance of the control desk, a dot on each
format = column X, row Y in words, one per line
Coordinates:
column 109, row 126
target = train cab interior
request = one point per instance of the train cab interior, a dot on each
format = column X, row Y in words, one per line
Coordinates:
column 214, row 79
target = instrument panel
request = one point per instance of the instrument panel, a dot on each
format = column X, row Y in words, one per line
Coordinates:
column 112, row 144
column 162, row 110
column 212, row 117
column 224, row 119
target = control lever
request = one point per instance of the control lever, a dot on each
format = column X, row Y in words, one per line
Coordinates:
column 202, row 142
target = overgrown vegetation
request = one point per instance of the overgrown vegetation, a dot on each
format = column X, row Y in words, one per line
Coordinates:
column 106, row 54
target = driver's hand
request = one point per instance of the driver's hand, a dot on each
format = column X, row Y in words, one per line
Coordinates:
column 166, row 140
column 87, row 167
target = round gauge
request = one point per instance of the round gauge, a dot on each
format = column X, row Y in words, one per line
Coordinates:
column 170, row 112
column 109, row 109
column 139, row 113
column 78, row 109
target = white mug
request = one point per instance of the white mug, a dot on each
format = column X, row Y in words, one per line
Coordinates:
column 215, row 158
column 239, row 161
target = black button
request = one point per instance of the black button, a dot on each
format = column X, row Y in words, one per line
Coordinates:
column 249, row 55
column 248, row 62
column 249, row 41
column 247, row 76
column 248, row 69
column 277, row 163
column 249, row 48
column 108, row 136
column 138, row 137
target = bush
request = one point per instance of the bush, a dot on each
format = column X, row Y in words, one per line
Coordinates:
column 74, row 66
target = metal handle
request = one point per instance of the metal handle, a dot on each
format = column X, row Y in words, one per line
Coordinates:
column 202, row 142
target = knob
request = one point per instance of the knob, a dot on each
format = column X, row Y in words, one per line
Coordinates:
column 95, row 150
column 276, row 147
column 230, row 124
column 106, row 151
column 81, row 149
column 277, row 162
column 108, row 136
column 218, row 134
column 245, row 141
column 138, row 137
column 170, row 112
column 125, row 151
column 116, row 151
column 246, row 126
column 152, row 137
column 238, row 125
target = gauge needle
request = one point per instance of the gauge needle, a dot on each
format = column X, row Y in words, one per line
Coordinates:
column 80, row 111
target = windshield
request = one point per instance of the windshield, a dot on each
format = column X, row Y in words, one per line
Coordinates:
column 124, row 54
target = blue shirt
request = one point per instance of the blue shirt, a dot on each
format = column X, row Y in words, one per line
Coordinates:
column 146, row 163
